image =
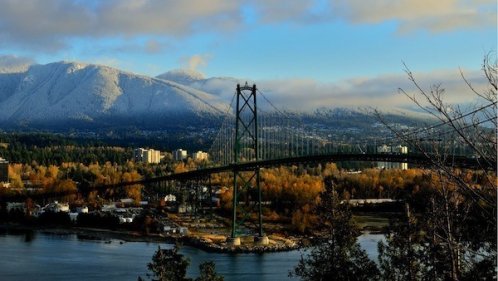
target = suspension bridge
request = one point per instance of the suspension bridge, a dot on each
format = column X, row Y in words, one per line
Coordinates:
column 253, row 137
column 255, row 134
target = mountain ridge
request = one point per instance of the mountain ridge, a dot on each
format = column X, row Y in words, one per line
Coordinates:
column 70, row 91
column 75, row 95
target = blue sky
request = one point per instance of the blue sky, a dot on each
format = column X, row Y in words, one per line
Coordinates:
column 326, row 41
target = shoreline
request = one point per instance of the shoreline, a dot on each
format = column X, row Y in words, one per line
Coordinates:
column 106, row 235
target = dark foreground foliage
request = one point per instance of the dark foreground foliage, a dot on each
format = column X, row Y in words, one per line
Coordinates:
column 169, row 265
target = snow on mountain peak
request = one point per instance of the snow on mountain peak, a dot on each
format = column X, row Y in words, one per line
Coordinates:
column 66, row 91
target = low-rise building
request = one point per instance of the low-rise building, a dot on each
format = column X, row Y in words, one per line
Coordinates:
column 73, row 217
column 57, row 207
column 123, row 219
column 16, row 206
column 82, row 210
column 108, row 207
column 371, row 201
column 170, row 198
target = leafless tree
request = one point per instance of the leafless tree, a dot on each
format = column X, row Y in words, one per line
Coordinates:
column 458, row 200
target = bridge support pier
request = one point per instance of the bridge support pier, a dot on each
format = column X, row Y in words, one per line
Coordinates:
column 233, row 241
column 261, row 240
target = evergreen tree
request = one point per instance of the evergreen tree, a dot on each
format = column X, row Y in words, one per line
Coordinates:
column 338, row 256
column 208, row 272
column 400, row 256
column 168, row 265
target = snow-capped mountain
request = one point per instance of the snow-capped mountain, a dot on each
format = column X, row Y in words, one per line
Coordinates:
column 94, row 95
column 76, row 95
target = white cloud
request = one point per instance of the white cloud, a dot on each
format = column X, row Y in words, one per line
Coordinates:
column 436, row 16
column 280, row 10
column 196, row 61
column 153, row 46
column 11, row 63
column 380, row 92
column 48, row 25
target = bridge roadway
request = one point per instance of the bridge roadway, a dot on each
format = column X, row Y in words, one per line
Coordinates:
column 456, row 161
column 200, row 174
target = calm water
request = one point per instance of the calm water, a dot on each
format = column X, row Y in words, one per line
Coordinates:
column 39, row 256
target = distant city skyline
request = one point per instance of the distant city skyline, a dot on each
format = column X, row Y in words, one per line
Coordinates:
column 323, row 45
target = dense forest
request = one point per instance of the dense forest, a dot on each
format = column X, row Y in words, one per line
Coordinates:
column 87, row 148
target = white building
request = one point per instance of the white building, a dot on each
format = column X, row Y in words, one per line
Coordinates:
column 179, row 154
column 16, row 206
column 399, row 149
column 57, row 207
column 170, row 198
column 73, row 217
column 147, row 155
column 200, row 155
column 82, row 210
column 373, row 201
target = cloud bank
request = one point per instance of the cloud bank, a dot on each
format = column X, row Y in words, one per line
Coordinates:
column 378, row 92
column 47, row 25
column 195, row 62
column 13, row 64
column 435, row 16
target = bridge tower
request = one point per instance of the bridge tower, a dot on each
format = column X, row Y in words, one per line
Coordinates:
column 245, row 149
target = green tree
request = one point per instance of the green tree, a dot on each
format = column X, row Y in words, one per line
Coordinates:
column 208, row 272
column 169, row 265
column 338, row 256
column 400, row 256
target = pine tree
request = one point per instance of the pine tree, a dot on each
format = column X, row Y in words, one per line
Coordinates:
column 168, row 265
column 208, row 272
column 338, row 256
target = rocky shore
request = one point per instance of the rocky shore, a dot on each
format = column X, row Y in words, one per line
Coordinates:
column 202, row 235
column 210, row 245
column 276, row 244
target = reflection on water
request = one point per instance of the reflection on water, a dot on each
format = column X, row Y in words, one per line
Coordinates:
column 25, row 235
column 31, row 255
column 29, row 236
